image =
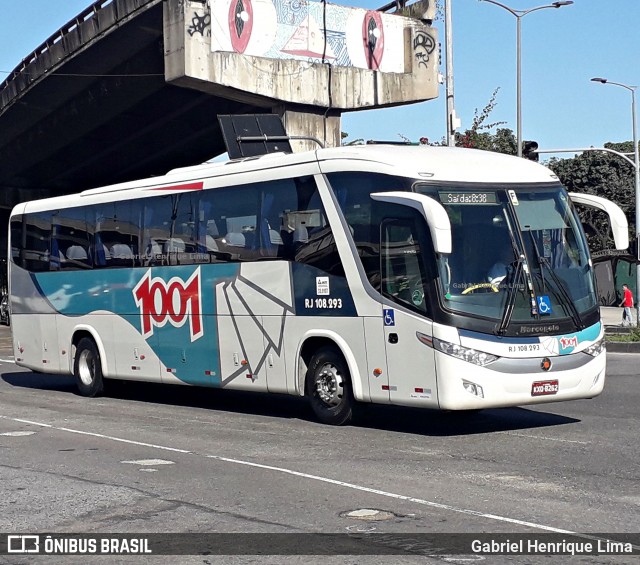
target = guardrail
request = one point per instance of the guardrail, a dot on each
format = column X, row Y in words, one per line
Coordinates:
column 92, row 13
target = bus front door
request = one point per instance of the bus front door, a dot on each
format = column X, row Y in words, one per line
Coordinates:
column 407, row 330
column 410, row 358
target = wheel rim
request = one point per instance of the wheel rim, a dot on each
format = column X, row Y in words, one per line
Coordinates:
column 86, row 367
column 329, row 385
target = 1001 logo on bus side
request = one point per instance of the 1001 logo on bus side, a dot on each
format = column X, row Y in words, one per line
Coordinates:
column 174, row 301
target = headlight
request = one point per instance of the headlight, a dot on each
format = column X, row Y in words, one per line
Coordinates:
column 465, row 353
column 595, row 349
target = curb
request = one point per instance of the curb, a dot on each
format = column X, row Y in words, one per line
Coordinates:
column 620, row 346
column 618, row 329
column 623, row 346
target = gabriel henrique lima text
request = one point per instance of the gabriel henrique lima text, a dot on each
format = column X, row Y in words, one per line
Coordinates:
column 535, row 547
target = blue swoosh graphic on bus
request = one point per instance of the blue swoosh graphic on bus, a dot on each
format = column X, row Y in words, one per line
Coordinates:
column 81, row 295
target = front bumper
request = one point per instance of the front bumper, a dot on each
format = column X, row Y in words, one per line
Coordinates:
column 508, row 381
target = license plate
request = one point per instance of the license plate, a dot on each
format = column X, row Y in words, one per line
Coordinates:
column 541, row 388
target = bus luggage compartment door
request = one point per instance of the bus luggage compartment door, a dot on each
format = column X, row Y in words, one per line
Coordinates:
column 242, row 352
column 36, row 341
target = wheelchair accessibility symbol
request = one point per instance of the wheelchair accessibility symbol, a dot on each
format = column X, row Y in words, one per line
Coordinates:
column 389, row 319
column 544, row 304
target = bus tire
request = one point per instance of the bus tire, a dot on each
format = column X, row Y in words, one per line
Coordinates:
column 87, row 369
column 328, row 386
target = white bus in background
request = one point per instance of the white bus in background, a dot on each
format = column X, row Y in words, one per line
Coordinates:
column 355, row 274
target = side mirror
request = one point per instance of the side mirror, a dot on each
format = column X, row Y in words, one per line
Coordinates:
column 619, row 224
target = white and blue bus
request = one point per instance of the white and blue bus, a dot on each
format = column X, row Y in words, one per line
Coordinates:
column 420, row 276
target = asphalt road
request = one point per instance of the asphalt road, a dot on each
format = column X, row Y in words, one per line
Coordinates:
column 149, row 458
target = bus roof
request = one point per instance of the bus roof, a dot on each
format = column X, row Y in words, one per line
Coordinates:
column 423, row 161
column 431, row 163
column 452, row 164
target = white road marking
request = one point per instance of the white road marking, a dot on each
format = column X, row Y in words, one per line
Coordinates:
column 7, row 361
column 150, row 462
column 112, row 438
column 395, row 495
column 352, row 486
column 17, row 434
column 545, row 438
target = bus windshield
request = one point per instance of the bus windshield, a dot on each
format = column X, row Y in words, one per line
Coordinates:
column 518, row 255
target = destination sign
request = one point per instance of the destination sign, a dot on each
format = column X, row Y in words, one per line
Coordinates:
column 468, row 197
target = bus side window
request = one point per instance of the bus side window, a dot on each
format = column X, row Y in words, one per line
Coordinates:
column 182, row 246
column 116, row 242
column 17, row 224
column 37, row 249
column 228, row 221
column 72, row 238
column 266, row 220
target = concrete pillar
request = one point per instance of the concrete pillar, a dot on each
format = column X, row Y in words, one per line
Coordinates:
column 309, row 121
column 305, row 73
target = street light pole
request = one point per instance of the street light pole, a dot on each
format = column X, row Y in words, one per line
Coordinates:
column 636, row 162
column 519, row 14
column 451, row 113
column 519, row 84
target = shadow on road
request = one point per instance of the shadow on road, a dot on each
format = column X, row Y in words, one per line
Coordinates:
column 386, row 418
column 435, row 423
column 40, row 381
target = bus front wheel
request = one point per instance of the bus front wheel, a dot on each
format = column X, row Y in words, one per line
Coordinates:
column 88, row 369
column 329, row 387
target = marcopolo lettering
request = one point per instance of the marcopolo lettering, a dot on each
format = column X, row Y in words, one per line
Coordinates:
column 539, row 329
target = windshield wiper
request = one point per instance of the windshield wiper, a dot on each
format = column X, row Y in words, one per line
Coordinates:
column 543, row 261
column 511, row 296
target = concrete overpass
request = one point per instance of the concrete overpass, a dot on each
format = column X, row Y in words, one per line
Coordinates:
column 132, row 88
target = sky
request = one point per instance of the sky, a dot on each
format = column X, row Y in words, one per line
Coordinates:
column 562, row 49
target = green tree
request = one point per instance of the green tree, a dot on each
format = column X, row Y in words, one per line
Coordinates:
column 602, row 174
column 479, row 135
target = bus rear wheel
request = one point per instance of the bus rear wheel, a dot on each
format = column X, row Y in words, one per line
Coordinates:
column 88, row 368
column 328, row 387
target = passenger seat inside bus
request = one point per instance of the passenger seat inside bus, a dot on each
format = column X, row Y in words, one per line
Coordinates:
column 275, row 237
column 76, row 252
column 77, row 256
column 235, row 239
column 210, row 243
column 121, row 255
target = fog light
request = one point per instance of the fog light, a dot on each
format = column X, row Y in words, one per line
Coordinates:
column 473, row 388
